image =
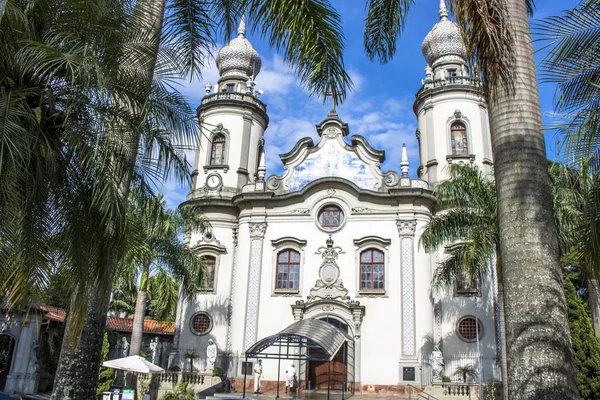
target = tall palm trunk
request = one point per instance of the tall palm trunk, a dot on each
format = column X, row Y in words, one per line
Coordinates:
column 594, row 298
column 137, row 332
column 540, row 359
column 502, row 333
column 77, row 375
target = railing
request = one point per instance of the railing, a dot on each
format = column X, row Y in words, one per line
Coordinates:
column 420, row 393
column 449, row 82
column 463, row 367
column 236, row 96
column 458, row 389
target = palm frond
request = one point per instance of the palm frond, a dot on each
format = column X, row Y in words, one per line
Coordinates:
column 385, row 22
column 309, row 34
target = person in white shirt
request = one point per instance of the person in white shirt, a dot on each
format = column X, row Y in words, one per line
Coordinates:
column 290, row 376
column 258, row 372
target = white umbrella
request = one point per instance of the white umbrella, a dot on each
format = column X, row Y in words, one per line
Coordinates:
column 134, row 364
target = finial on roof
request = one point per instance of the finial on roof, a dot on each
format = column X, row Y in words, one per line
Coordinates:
column 443, row 12
column 262, row 167
column 242, row 27
column 404, row 161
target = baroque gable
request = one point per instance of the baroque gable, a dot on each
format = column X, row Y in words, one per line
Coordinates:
column 357, row 162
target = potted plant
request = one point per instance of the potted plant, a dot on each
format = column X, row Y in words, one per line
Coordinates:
column 191, row 355
column 465, row 372
column 181, row 393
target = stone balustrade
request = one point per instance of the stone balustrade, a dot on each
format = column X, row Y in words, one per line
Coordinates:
column 234, row 96
column 168, row 381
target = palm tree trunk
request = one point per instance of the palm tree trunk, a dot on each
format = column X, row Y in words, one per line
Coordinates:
column 77, row 375
column 540, row 358
column 79, row 363
column 594, row 298
column 502, row 333
column 137, row 332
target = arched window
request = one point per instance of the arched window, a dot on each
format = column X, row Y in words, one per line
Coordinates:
column 458, row 136
column 288, row 270
column 372, row 270
column 217, row 152
column 209, row 272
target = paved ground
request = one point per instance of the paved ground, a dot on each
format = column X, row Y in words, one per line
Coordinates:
column 304, row 396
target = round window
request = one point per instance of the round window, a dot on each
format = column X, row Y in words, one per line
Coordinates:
column 469, row 329
column 330, row 217
column 201, row 323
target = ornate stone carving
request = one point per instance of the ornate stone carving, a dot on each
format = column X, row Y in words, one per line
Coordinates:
column 234, row 234
column 329, row 285
column 406, row 227
column 361, row 209
column 257, row 229
column 301, row 211
column 331, row 192
column 331, row 133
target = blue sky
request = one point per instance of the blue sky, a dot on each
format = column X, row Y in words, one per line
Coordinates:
column 379, row 108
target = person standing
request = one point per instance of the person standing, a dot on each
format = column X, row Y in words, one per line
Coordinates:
column 258, row 373
column 290, row 376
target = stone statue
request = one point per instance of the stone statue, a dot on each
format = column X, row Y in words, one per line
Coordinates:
column 156, row 348
column 211, row 355
column 124, row 346
column 437, row 363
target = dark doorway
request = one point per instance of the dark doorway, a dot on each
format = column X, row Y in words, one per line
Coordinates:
column 7, row 346
column 319, row 372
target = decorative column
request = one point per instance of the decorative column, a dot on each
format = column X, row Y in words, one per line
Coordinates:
column 406, row 230
column 234, row 237
column 257, row 236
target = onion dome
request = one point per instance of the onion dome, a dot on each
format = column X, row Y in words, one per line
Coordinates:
column 443, row 40
column 239, row 57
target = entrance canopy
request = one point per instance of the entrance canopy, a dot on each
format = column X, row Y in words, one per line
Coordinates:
column 315, row 340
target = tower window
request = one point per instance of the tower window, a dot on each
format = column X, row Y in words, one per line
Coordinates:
column 217, row 153
column 452, row 74
column 209, row 277
column 288, row 270
column 458, row 135
column 372, row 270
column 231, row 87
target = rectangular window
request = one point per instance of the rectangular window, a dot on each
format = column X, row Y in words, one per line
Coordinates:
column 372, row 270
column 247, row 367
column 288, row 270
column 209, row 273
column 231, row 87
column 466, row 285
column 452, row 76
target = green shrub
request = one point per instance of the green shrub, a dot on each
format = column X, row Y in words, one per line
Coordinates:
column 181, row 393
column 445, row 379
column 105, row 378
column 586, row 346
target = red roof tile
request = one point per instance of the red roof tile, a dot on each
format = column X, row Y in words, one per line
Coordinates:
column 116, row 323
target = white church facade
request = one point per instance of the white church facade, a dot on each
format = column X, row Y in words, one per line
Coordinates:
column 334, row 237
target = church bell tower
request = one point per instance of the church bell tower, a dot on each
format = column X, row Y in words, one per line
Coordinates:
column 233, row 120
column 452, row 116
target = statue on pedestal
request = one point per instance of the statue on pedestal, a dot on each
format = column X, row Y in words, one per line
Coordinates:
column 156, row 348
column 124, row 346
column 211, row 355
column 437, row 363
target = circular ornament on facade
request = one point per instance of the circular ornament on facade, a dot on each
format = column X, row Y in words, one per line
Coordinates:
column 468, row 328
column 201, row 323
column 330, row 218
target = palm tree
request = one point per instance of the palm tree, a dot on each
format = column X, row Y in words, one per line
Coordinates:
column 498, row 41
column 573, row 63
column 574, row 191
column 468, row 205
column 153, row 249
column 313, row 47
